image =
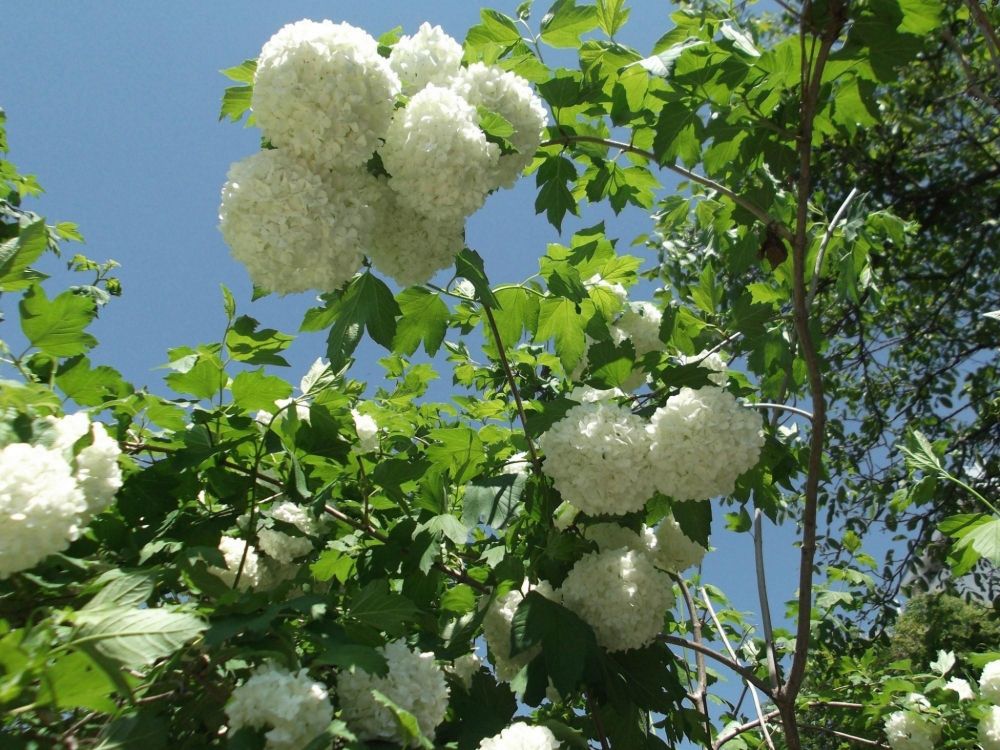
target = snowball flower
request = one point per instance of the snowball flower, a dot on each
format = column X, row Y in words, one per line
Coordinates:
column 989, row 682
column 291, row 228
column 282, row 405
column 295, row 707
column 496, row 629
column 367, row 430
column 600, row 285
column 609, row 536
column 323, row 92
column 621, row 595
column 907, row 730
column 439, row 159
column 519, row 463
column 521, row 736
column 701, row 441
column 41, row 506
column 410, row 246
column 961, row 687
column 465, row 288
column 464, row 667
column 96, row 466
column 232, row 552
column 989, row 729
column 713, row 362
column 639, row 324
column 429, row 56
column 511, row 97
column 674, row 551
column 597, row 456
column 414, row 683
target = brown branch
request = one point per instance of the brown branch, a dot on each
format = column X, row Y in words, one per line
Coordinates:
column 765, row 607
column 735, row 666
column 983, row 22
column 698, row 696
column 753, row 208
column 736, row 731
column 598, row 724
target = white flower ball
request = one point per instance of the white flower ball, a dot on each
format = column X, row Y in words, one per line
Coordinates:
column 611, row 536
column 465, row 667
column 414, row 683
column 511, row 97
column 989, row 682
column 441, row 164
column 295, row 707
column 701, row 441
column 232, row 552
column 292, row 229
column 621, row 595
column 409, row 246
column 713, row 362
column 41, row 506
column 323, row 93
column 301, row 408
column 639, row 324
column 281, row 546
column 299, row 517
column 96, row 466
column 521, row 736
column 597, row 456
column 367, row 430
column 960, row 686
column 674, row 551
column 465, row 288
column 907, row 730
column 429, row 56
column 989, row 729
column 496, row 630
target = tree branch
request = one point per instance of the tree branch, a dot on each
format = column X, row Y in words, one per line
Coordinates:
column 699, row 696
column 735, row 666
column 818, row 267
column 765, row 607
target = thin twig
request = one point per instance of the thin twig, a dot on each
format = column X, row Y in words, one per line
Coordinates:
column 699, row 696
column 818, row 266
column 970, row 76
column 736, row 731
column 992, row 39
column 760, row 213
column 735, row 666
column 844, row 735
column 781, row 407
column 598, row 724
column 732, row 653
column 765, row 607
column 512, row 384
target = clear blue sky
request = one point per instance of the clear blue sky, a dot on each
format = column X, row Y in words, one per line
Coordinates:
column 114, row 106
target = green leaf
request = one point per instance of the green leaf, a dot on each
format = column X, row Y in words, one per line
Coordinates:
column 137, row 637
column 242, row 73
column 228, row 302
column 203, row 376
column 984, row 539
column 695, row 520
column 517, row 311
column 90, row 386
column 236, row 101
column 496, row 28
column 381, row 608
column 678, row 134
column 347, row 655
column 424, row 317
column 469, row 264
column 247, row 344
column 611, row 364
column 611, row 15
column 145, row 730
column 662, row 64
column 565, row 22
column 740, row 38
column 122, row 590
column 554, row 196
column 494, row 501
column 253, row 390
column 920, row 16
column 406, row 723
column 56, row 327
column 459, row 599
column 75, row 681
column 17, row 255
column 448, row 526
column 457, row 449
column 561, row 319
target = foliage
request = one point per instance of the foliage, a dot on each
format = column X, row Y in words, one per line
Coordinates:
column 271, row 526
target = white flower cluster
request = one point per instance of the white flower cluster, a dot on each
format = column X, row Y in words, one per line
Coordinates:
column 597, row 456
column 50, row 490
column 496, row 629
column 367, row 429
column 281, row 546
column 989, row 729
column 465, row 667
column 302, row 215
column 414, row 683
column 284, row 407
column 233, row 551
column 674, row 551
column 702, row 440
column 294, row 706
column 621, row 595
column 909, row 729
column 640, row 325
column 521, row 736
column 989, row 682
column 960, row 686
column 713, row 362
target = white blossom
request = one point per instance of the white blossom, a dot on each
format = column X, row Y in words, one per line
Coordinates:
column 295, row 707
column 496, row 629
column 521, row 736
column 639, row 324
column 410, row 246
column 367, row 430
column 232, row 550
column 41, row 505
column 598, row 282
column 518, row 463
column 989, row 729
column 292, row 229
column 465, row 288
column 960, row 686
column 621, row 595
column 439, row 159
column 597, row 456
column 429, row 56
column 701, row 441
column 96, row 467
column 281, row 406
column 464, row 667
column 989, row 682
column 414, row 683
column 674, row 551
column 585, row 394
column 713, row 362
column 511, row 97
column 908, row 730
column 323, row 92
column 611, row 536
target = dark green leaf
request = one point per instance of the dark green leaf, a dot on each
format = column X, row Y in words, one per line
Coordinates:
column 381, row 608
column 494, row 501
column 469, row 264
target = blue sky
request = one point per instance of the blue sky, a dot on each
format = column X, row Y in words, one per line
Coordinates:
column 114, row 106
